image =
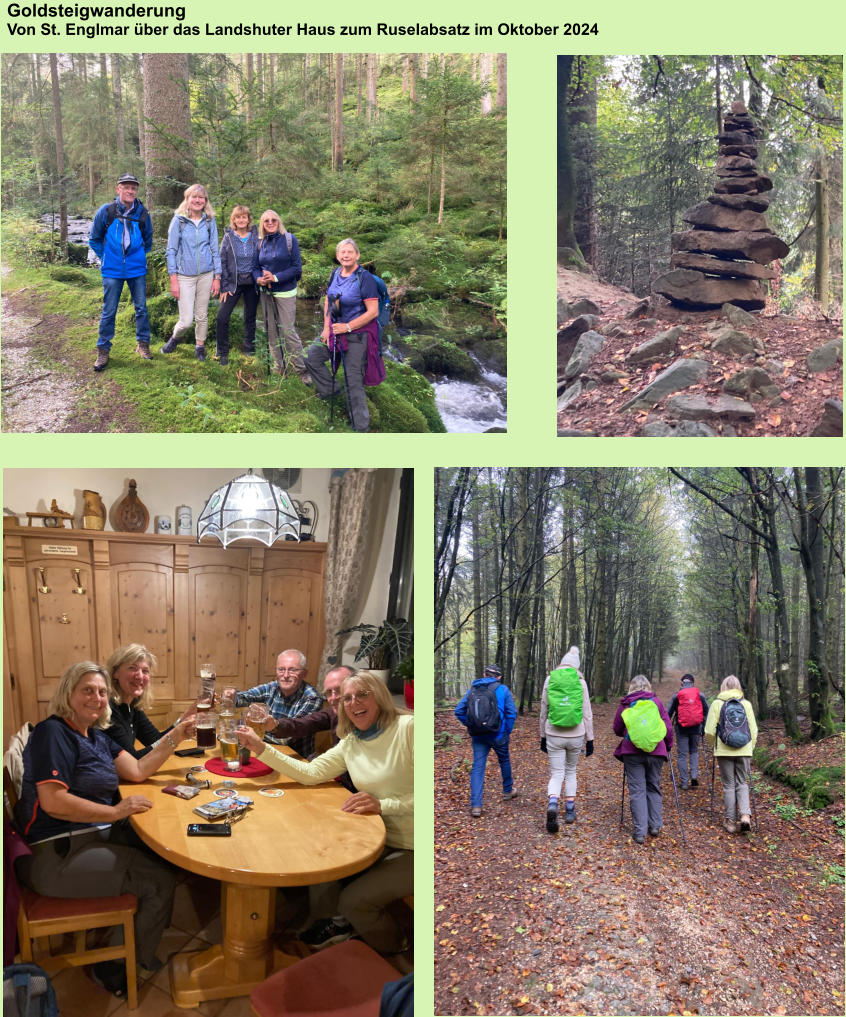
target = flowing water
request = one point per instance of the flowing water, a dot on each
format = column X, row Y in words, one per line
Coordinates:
column 472, row 407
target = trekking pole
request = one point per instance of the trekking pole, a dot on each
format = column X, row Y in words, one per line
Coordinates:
column 347, row 387
column 622, row 798
column 678, row 807
column 713, row 768
column 334, row 360
column 752, row 796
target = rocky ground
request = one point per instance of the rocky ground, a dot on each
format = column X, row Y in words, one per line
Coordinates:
column 642, row 367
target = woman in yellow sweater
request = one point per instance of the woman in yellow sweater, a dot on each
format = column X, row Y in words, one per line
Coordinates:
column 376, row 747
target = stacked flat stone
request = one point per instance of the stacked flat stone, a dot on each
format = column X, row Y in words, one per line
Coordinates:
column 723, row 259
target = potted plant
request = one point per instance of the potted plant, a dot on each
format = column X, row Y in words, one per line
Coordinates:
column 405, row 671
column 382, row 645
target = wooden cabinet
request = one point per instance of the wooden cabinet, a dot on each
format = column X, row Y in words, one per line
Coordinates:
column 76, row 594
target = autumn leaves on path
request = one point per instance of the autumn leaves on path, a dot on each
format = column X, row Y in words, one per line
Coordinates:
column 587, row 922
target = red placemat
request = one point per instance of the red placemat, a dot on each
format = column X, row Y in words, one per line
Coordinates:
column 253, row 769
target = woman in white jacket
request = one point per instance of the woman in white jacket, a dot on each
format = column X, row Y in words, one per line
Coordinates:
column 563, row 744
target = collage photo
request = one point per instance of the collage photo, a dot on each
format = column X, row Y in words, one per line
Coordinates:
column 625, row 794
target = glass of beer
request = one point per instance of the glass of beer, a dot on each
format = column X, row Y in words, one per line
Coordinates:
column 227, row 702
column 229, row 747
column 255, row 718
column 207, row 680
column 206, row 728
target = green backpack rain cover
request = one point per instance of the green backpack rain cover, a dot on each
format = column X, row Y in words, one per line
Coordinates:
column 644, row 724
column 564, row 697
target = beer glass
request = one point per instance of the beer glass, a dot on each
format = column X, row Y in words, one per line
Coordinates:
column 226, row 706
column 206, row 728
column 229, row 747
column 255, row 717
column 207, row 680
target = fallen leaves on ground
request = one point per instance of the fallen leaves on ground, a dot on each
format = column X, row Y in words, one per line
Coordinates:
column 587, row 922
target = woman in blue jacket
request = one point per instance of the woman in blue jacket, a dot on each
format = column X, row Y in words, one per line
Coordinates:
column 276, row 269
column 193, row 264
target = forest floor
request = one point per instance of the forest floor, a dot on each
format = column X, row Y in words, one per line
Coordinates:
column 786, row 339
column 588, row 922
column 45, row 380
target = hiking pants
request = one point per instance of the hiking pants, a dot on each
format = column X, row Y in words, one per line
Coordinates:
column 364, row 901
column 643, row 775
column 279, row 315
column 112, row 289
column 734, row 776
column 90, row 865
column 318, row 360
column 481, row 748
column 687, row 744
column 194, row 294
column 563, row 755
column 224, row 313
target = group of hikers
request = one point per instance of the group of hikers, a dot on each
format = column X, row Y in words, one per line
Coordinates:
column 647, row 731
column 259, row 264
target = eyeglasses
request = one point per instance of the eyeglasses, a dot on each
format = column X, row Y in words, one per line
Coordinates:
column 269, row 222
column 357, row 697
column 288, row 670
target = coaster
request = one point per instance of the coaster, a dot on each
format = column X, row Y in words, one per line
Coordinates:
column 224, row 792
column 271, row 792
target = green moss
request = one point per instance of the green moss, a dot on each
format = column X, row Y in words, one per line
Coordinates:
column 818, row 786
column 75, row 276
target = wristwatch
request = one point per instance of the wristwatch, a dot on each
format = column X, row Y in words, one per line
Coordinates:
column 348, row 328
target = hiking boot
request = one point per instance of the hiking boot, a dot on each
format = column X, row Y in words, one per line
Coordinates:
column 508, row 795
column 143, row 351
column 170, row 345
column 326, row 931
column 223, row 360
column 569, row 812
column 111, row 976
column 685, row 787
column 694, row 782
column 730, row 826
column 552, row 818
column 745, row 823
column 638, row 838
column 200, row 352
column 306, row 379
column 476, row 811
column 654, row 831
column 100, row 364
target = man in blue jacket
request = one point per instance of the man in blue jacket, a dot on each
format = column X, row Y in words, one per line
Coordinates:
column 121, row 235
column 478, row 703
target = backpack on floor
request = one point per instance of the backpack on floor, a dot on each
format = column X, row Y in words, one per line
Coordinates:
column 483, row 714
column 28, row 992
column 733, row 725
column 690, row 707
column 564, row 697
column 644, row 725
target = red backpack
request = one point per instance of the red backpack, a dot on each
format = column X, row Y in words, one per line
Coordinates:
column 690, row 707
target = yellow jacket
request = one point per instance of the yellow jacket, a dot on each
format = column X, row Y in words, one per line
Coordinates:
column 714, row 715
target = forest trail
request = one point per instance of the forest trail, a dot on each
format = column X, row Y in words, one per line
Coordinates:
column 44, row 380
column 587, row 922
column 759, row 385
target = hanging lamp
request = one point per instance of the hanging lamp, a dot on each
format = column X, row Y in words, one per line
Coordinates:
column 248, row 508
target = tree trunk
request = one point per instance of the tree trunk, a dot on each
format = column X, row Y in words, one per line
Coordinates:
column 138, row 82
column 167, row 144
column 117, row 99
column 372, row 69
column 338, row 148
column 60, row 157
column 501, row 82
column 443, row 184
column 478, row 648
column 566, row 185
column 485, row 72
column 822, row 226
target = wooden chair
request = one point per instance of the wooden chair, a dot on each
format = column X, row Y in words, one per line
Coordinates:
column 347, row 979
column 40, row 916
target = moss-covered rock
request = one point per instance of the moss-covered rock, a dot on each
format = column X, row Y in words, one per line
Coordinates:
column 437, row 356
column 405, row 388
column 493, row 353
column 75, row 276
column 819, row 786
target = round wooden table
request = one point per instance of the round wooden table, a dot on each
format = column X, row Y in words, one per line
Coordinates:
column 299, row 839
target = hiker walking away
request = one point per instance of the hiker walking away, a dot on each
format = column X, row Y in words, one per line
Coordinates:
column 566, row 724
column 277, row 267
column 121, row 235
column 732, row 730
column 193, row 264
column 687, row 710
column 350, row 333
column 488, row 712
column 237, row 253
column 647, row 737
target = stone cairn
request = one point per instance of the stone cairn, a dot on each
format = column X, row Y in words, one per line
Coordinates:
column 723, row 259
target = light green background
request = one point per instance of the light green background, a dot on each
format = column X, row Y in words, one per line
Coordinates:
column 775, row 27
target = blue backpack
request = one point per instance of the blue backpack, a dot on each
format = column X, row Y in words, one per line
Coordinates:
column 28, row 992
column 384, row 316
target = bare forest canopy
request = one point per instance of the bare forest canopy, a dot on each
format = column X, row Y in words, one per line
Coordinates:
column 715, row 571
column 404, row 152
column 637, row 147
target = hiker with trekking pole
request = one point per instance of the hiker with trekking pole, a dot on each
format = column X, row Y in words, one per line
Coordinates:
column 647, row 737
column 687, row 711
column 566, row 726
column 732, row 731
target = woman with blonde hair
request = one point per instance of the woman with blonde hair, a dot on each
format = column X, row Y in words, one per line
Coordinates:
column 130, row 668
column 277, row 267
column 643, row 765
column 193, row 264
column 72, row 817
column 732, row 730
column 377, row 748
column 237, row 253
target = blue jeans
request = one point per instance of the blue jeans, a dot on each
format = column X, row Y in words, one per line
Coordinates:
column 481, row 748
column 112, row 289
